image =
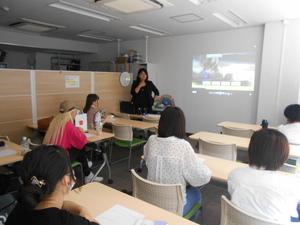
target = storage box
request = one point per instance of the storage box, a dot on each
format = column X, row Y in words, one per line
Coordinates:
column 122, row 60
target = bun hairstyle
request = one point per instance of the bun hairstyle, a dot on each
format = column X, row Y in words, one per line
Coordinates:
column 42, row 168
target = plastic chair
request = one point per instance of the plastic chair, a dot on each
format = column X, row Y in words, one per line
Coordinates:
column 237, row 132
column 124, row 138
column 165, row 196
column 4, row 137
column 224, row 151
column 122, row 115
column 152, row 120
column 288, row 168
column 233, row 215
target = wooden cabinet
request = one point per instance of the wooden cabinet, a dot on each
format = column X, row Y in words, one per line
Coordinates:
column 61, row 63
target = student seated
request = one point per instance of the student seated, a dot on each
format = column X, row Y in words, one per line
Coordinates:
column 292, row 127
column 63, row 132
column 47, row 177
column 171, row 160
column 258, row 188
column 93, row 114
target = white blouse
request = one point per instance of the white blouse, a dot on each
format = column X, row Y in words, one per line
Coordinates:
column 264, row 193
column 291, row 131
column 173, row 161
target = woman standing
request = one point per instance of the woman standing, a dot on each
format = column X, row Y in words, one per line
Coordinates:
column 62, row 132
column 171, row 160
column 47, row 177
column 141, row 92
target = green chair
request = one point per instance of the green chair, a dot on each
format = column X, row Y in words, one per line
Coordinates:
column 124, row 138
column 165, row 196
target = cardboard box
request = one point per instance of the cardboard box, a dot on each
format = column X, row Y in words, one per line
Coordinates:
column 121, row 59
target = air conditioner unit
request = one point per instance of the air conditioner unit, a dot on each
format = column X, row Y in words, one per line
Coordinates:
column 127, row 7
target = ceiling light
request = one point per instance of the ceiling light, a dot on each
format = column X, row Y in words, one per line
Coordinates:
column 32, row 27
column 135, row 6
column 42, row 23
column 83, row 11
column 231, row 18
column 95, row 37
column 149, row 30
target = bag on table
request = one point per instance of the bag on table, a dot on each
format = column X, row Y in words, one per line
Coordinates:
column 81, row 121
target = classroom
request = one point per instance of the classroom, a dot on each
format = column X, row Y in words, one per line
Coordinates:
column 31, row 88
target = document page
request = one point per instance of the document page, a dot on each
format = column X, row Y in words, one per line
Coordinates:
column 120, row 215
column 7, row 152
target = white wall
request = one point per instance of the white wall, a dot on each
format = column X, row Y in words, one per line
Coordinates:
column 280, row 73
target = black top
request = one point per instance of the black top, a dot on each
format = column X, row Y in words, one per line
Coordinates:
column 52, row 216
column 144, row 96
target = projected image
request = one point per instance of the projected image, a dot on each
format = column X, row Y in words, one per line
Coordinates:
column 224, row 71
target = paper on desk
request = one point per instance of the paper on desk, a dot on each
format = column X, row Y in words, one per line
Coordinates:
column 120, row 215
column 7, row 152
column 89, row 135
column 202, row 160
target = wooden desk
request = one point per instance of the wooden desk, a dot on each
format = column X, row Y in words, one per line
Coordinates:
column 10, row 158
column 222, row 138
column 98, row 198
column 96, row 138
column 134, row 123
column 241, row 143
column 236, row 125
column 221, row 167
column 136, row 116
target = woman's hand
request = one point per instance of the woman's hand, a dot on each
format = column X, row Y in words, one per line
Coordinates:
column 142, row 84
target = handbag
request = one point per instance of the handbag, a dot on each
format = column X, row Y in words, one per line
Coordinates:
column 81, row 121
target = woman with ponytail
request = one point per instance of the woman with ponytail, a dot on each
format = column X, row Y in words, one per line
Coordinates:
column 47, row 177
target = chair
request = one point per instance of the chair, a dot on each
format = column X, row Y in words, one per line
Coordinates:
column 152, row 120
column 233, row 215
column 224, row 151
column 288, row 168
column 4, row 137
column 237, row 132
column 7, row 204
column 165, row 196
column 122, row 115
column 124, row 138
column 75, row 164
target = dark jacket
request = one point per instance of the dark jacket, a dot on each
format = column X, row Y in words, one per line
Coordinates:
column 148, row 89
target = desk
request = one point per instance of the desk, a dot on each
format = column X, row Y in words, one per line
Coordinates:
column 236, row 125
column 98, row 198
column 240, row 142
column 10, row 158
column 221, row 167
column 134, row 123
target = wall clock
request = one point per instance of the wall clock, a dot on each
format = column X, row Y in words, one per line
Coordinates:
column 125, row 79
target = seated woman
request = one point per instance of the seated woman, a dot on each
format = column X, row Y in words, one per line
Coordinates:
column 171, row 160
column 62, row 132
column 259, row 189
column 93, row 114
column 47, row 177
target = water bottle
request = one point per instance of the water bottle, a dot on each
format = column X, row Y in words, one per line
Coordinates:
column 24, row 146
column 297, row 171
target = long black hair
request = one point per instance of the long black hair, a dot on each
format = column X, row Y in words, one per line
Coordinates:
column 89, row 101
column 42, row 168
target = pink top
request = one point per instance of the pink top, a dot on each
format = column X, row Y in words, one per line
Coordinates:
column 72, row 137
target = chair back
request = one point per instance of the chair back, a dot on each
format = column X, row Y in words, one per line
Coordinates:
column 90, row 126
column 31, row 143
column 152, row 120
column 224, row 151
column 122, row 132
column 233, row 215
column 288, row 168
column 122, row 115
column 4, row 137
column 237, row 132
column 165, row 196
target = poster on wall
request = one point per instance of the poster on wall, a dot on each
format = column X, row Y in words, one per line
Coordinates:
column 72, row 81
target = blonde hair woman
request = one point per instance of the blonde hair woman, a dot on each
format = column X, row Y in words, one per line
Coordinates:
column 62, row 132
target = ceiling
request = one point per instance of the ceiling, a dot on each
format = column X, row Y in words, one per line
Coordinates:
column 255, row 12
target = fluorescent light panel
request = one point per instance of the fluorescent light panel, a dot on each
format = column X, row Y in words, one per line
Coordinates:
column 232, row 18
column 95, row 37
column 135, row 6
column 83, row 11
column 149, row 30
column 32, row 27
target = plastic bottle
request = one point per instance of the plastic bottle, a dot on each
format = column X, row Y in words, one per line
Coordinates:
column 24, row 146
column 297, row 171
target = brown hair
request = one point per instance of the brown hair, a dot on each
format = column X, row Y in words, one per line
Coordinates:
column 268, row 149
column 172, row 123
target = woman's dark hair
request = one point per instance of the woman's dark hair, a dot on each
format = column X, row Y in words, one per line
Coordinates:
column 89, row 101
column 139, row 72
column 172, row 123
column 268, row 149
column 48, row 164
column 292, row 113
